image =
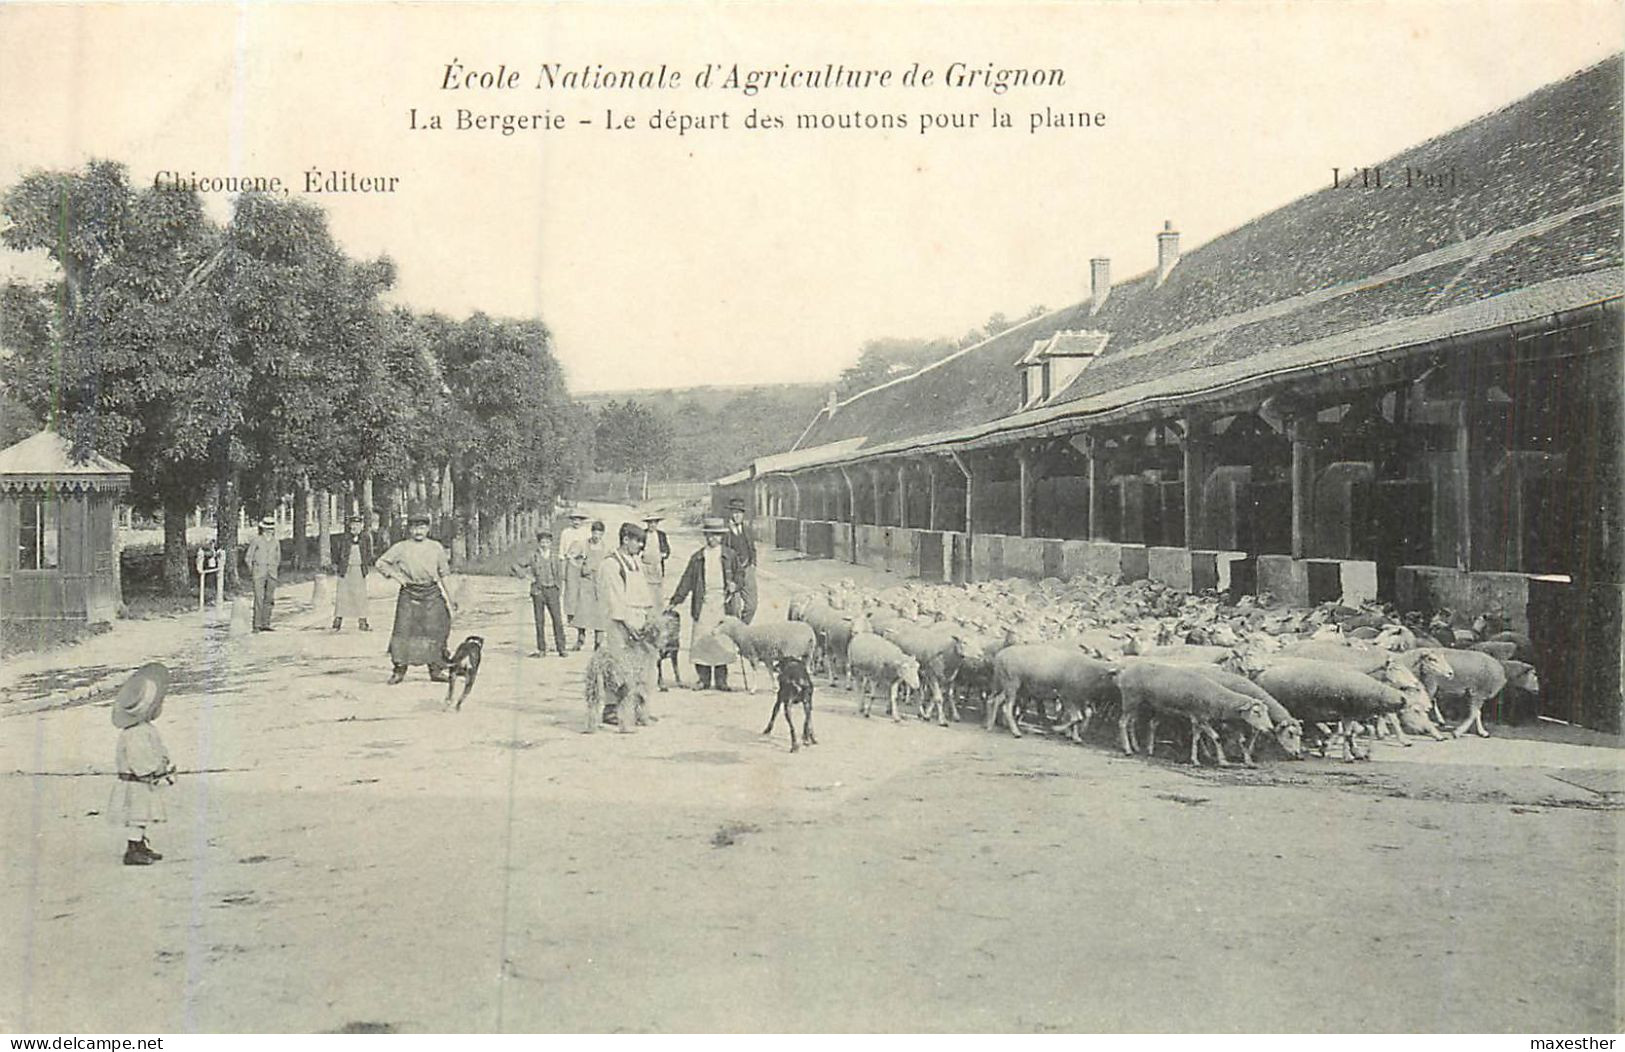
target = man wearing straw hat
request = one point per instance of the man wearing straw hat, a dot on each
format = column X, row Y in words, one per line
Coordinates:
column 264, row 558
column 423, row 609
column 708, row 582
column 573, row 546
column 656, row 550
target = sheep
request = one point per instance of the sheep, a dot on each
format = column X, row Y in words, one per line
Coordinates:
column 1184, row 690
column 1325, row 692
column 940, row 653
column 838, row 640
column 1402, row 671
column 768, row 642
column 1286, row 728
column 1040, row 670
column 876, row 661
column 822, row 618
column 1480, row 677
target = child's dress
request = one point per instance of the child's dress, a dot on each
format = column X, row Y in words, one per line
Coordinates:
column 143, row 772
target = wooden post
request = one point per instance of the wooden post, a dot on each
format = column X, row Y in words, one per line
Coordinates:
column 902, row 494
column 874, row 489
column 1302, row 429
column 1462, row 464
column 1024, row 467
column 1195, row 472
column 931, row 482
column 1099, row 477
column 963, row 464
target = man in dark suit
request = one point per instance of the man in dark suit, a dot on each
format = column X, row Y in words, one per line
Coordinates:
column 744, row 550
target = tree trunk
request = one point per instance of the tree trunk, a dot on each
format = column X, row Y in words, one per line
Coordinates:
column 474, row 537
column 177, row 570
column 324, row 530
column 301, row 511
column 228, row 507
column 366, row 501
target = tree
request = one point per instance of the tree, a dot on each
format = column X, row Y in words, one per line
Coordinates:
column 886, row 359
column 106, row 354
column 633, row 439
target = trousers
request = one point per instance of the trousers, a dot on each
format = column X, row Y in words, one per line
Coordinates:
column 547, row 603
column 264, row 600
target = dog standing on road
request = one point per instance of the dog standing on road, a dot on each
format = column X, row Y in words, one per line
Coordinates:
column 671, row 630
column 465, row 663
column 795, row 685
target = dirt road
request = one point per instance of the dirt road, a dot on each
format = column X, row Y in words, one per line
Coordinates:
column 361, row 859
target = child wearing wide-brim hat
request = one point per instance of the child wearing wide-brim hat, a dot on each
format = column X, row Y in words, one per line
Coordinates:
column 142, row 761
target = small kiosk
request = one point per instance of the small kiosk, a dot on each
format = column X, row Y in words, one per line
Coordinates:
column 58, row 551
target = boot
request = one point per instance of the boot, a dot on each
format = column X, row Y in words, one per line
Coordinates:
column 338, row 623
column 439, row 674
column 704, row 673
column 722, row 677
column 147, row 850
column 364, row 626
column 134, row 856
column 398, row 675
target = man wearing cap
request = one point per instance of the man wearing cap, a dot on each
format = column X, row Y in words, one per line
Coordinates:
column 423, row 609
column 573, row 547
column 545, row 569
column 352, row 561
column 656, row 550
column 628, row 601
column 264, row 558
column 744, row 550
column 707, row 582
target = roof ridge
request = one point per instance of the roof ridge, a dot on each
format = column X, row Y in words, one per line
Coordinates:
column 1480, row 245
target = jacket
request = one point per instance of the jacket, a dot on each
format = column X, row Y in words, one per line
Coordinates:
column 744, row 548
column 694, row 584
column 264, row 556
column 341, row 553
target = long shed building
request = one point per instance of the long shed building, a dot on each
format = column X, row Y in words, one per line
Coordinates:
column 1400, row 393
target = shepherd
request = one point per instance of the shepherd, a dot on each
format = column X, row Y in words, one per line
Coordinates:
column 424, row 607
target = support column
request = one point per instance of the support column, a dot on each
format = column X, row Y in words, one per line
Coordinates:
column 931, row 480
column 1303, row 430
column 1195, row 471
column 963, row 464
column 902, row 494
column 874, row 486
column 1024, row 463
column 1462, row 465
column 1099, row 479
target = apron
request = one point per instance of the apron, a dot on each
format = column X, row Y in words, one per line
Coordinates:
column 707, row 646
column 422, row 625
column 350, row 599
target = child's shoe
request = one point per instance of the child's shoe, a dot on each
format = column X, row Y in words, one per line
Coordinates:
column 135, row 856
column 147, row 850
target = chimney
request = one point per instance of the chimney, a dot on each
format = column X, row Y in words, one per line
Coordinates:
column 1100, row 283
column 829, row 403
column 1167, row 250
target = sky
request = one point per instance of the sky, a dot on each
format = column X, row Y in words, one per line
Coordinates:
column 753, row 255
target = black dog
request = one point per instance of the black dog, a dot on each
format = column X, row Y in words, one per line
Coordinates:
column 671, row 630
column 795, row 685
column 466, row 663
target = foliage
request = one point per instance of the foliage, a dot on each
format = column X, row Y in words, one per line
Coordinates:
column 631, row 438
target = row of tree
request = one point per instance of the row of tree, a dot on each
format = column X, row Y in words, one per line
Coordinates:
column 233, row 364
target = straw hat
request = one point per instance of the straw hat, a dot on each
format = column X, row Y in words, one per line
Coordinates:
column 142, row 696
column 712, row 524
column 269, row 522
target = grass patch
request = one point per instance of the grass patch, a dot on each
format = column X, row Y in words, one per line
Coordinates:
column 27, row 637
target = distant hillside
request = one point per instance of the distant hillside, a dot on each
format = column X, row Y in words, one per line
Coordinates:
column 719, row 429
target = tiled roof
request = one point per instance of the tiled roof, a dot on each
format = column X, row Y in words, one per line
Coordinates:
column 1537, row 201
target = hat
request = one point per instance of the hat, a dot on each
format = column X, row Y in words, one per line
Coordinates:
column 417, row 517
column 651, row 517
column 269, row 522
column 142, row 696
column 355, row 518
column 581, row 515
column 713, row 524
column 737, row 504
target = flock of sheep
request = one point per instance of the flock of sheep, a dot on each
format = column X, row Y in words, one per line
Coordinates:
column 1064, row 652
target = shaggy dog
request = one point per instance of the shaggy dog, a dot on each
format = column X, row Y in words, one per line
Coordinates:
column 466, row 663
column 619, row 679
